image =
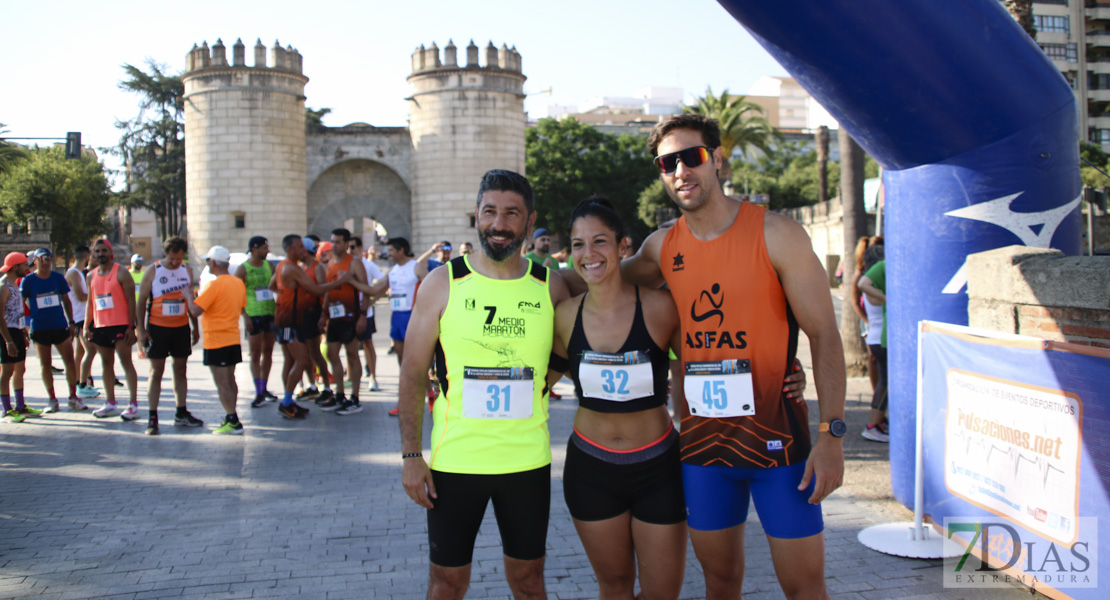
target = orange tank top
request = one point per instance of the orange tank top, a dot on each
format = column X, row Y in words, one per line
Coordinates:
column 167, row 302
column 345, row 293
column 291, row 302
column 732, row 308
column 109, row 303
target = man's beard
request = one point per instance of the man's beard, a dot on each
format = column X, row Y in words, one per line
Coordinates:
column 103, row 259
column 500, row 254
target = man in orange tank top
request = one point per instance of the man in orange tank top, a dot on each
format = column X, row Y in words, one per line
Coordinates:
column 164, row 330
column 110, row 325
column 345, row 318
column 743, row 280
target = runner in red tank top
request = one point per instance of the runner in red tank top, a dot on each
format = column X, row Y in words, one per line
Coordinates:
column 743, row 280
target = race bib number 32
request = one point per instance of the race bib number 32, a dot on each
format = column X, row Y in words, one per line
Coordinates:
column 616, row 377
column 721, row 388
column 497, row 393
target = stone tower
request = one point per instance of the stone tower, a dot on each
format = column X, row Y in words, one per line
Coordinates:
column 244, row 146
column 464, row 120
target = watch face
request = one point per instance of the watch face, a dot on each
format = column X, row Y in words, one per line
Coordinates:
column 838, row 428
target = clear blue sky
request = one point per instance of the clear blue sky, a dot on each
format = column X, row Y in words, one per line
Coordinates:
column 61, row 60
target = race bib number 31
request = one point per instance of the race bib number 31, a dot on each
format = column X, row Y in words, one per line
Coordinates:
column 497, row 393
column 717, row 389
column 616, row 377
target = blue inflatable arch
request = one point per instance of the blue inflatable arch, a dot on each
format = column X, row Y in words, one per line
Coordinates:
column 977, row 134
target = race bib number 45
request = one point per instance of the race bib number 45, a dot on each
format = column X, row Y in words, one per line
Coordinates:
column 497, row 393
column 721, row 388
column 616, row 377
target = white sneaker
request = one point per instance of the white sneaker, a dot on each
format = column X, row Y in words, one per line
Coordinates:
column 76, row 404
column 875, row 434
column 374, row 387
column 51, row 407
column 108, row 410
column 131, row 413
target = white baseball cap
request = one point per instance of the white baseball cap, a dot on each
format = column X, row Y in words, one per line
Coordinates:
column 136, row 258
column 218, row 254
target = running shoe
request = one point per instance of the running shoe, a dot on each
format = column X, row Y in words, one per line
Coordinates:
column 270, row 397
column 332, row 404
column 151, row 427
column 349, row 407
column 293, row 412
column 131, row 413
column 366, row 371
column 227, row 428
column 187, row 420
column 309, row 394
column 77, row 404
column 87, row 392
column 395, row 411
column 51, row 407
column 56, row 369
column 28, row 412
column 12, row 417
column 374, row 387
column 875, row 434
column 258, row 401
column 118, row 382
column 108, row 410
column 553, row 396
column 326, row 399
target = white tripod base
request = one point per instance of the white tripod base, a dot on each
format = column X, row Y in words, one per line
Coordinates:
column 905, row 539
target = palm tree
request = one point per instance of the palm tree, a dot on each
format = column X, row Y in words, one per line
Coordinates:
column 9, row 153
column 742, row 123
column 1022, row 11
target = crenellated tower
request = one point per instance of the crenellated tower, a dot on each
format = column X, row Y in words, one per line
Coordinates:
column 244, row 145
column 464, row 119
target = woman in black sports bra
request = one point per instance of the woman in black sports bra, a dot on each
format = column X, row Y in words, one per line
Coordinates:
column 622, row 481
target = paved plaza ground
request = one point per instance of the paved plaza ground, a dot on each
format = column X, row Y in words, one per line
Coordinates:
column 95, row 509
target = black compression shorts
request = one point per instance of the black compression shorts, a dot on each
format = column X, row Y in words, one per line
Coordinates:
column 600, row 484
column 521, row 503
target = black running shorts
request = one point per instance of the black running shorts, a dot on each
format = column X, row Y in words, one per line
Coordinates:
column 521, row 503
column 50, row 337
column 341, row 331
column 228, row 356
column 20, row 354
column 262, row 324
column 600, row 484
column 371, row 329
column 106, row 337
column 169, row 341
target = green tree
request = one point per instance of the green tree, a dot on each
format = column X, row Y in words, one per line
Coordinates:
column 567, row 161
column 153, row 146
column 314, row 118
column 74, row 193
column 742, row 123
column 10, row 153
column 1092, row 154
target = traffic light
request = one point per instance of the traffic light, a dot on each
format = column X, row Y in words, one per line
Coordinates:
column 73, row 144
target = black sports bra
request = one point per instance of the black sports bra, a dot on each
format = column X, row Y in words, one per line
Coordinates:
column 622, row 375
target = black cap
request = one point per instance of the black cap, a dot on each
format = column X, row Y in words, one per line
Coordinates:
column 256, row 241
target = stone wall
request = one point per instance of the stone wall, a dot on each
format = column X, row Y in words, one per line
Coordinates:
column 824, row 222
column 1041, row 293
column 25, row 237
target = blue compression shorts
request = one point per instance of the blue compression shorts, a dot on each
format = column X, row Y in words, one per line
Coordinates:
column 717, row 498
column 398, row 324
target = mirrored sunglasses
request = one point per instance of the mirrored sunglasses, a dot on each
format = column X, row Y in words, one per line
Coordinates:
column 691, row 157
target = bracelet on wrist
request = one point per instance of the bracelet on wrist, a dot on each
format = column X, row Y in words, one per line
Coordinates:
column 412, row 455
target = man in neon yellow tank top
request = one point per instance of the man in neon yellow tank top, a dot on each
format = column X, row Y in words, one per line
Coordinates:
column 258, row 316
column 488, row 318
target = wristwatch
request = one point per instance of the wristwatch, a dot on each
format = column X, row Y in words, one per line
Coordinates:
column 835, row 427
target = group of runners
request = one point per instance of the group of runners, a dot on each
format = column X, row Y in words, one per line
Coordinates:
column 501, row 329
column 297, row 303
